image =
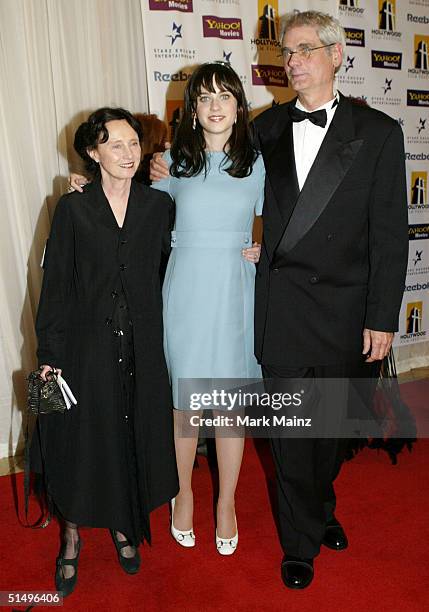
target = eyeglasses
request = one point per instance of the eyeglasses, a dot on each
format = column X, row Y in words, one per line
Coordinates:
column 303, row 52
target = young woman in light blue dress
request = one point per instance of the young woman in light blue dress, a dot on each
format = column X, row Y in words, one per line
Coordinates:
column 216, row 179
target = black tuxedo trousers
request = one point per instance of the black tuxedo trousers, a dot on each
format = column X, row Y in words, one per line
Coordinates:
column 307, row 467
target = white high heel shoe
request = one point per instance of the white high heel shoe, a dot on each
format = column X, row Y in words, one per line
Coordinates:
column 227, row 546
column 184, row 538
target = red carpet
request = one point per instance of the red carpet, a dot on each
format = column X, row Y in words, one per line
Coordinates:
column 383, row 508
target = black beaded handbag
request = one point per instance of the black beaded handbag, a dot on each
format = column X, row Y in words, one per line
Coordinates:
column 44, row 397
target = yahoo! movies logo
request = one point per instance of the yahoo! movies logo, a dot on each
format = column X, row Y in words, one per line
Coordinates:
column 222, row 27
column 355, row 37
column 386, row 21
column 386, row 59
column 417, row 97
column 185, row 6
column 269, row 75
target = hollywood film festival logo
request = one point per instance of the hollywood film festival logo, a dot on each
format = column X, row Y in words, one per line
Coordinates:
column 386, row 22
column 174, row 49
column 414, row 322
column 267, row 39
column 418, row 201
column 267, row 47
column 350, row 8
column 421, row 57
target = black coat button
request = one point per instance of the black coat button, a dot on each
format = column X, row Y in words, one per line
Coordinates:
column 329, row 236
column 108, row 321
column 122, row 267
column 275, row 270
column 314, row 280
column 123, row 241
column 114, row 294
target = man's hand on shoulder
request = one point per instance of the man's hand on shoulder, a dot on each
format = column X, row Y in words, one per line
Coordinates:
column 158, row 166
column 376, row 344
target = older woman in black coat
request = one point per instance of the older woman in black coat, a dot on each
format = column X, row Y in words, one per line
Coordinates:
column 109, row 460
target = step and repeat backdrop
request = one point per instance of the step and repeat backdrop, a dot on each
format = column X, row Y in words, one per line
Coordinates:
column 386, row 65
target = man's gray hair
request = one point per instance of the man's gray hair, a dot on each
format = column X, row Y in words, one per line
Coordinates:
column 328, row 28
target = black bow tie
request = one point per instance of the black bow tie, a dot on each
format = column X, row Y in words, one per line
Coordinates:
column 318, row 117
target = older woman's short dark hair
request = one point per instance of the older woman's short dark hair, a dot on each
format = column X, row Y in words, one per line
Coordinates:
column 93, row 132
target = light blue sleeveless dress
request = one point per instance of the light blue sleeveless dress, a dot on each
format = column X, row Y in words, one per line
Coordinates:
column 208, row 291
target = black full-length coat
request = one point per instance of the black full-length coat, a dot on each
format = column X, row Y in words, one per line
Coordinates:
column 85, row 450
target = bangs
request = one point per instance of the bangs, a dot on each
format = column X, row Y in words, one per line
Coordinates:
column 224, row 78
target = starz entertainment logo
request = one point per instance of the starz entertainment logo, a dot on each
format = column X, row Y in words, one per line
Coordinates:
column 349, row 64
column 418, row 262
column 267, row 41
column 355, row 37
column 350, row 8
column 184, row 6
column 421, row 57
column 176, row 33
column 175, row 49
column 386, row 98
column 386, row 22
column 347, row 74
column 420, row 134
column 418, row 192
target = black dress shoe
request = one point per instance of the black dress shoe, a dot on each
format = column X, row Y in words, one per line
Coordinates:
column 335, row 538
column 297, row 573
column 131, row 565
column 66, row 585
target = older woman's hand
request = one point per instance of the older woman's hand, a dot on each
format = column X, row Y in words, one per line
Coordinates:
column 45, row 369
column 253, row 253
column 77, row 182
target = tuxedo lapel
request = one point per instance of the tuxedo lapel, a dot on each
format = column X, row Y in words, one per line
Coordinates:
column 282, row 178
column 337, row 153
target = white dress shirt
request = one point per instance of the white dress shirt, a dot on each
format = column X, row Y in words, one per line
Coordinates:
column 307, row 139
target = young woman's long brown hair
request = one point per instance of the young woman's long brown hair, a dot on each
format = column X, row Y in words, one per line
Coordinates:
column 188, row 150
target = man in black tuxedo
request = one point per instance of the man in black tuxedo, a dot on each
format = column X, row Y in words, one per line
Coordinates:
column 332, row 269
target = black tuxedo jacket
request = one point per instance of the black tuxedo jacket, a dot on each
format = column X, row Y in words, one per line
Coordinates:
column 334, row 255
